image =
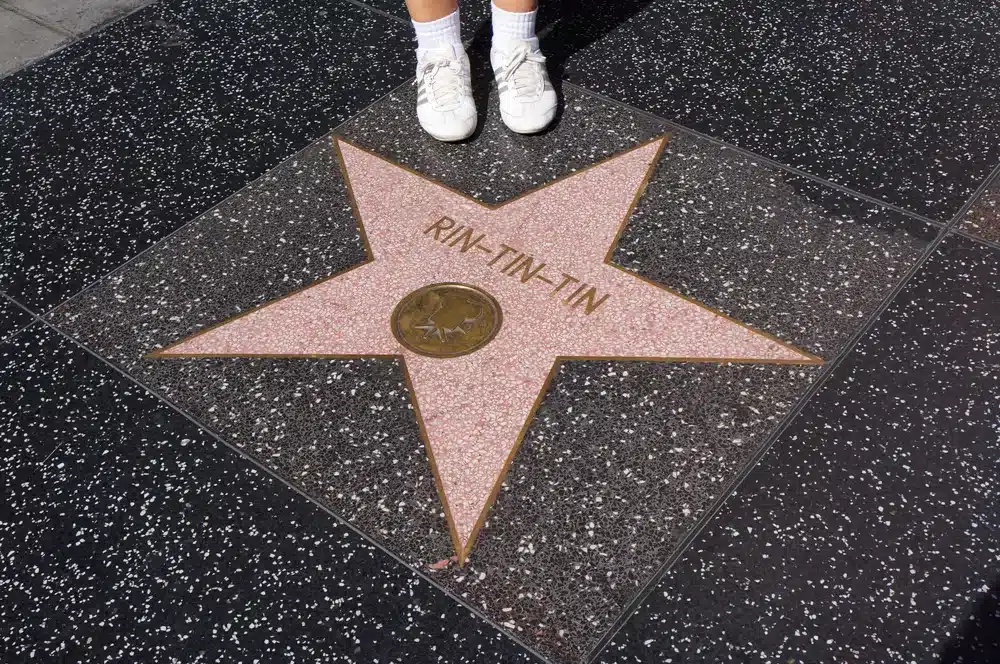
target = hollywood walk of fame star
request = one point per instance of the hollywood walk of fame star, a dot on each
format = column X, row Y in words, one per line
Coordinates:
column 542, row 258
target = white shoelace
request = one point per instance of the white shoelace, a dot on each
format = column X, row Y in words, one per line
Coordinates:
column 444, row 79
column 527, row 81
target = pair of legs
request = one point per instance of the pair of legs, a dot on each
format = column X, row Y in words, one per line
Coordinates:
column 445, row 107
column 424, row 11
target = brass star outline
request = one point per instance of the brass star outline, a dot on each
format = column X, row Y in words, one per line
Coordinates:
column 463, row 551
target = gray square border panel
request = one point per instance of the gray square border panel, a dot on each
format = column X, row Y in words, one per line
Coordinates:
column 621, row 460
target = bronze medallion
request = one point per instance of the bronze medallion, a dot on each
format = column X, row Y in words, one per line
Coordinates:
column 446, row 320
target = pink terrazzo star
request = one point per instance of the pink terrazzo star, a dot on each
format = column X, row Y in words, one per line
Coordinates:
column 543, row 256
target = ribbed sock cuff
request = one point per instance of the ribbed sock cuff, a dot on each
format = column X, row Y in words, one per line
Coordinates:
column 445, row 31
column 508, row 26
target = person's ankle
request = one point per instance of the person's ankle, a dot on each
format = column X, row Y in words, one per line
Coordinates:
column 513, row 28
column 442, row 33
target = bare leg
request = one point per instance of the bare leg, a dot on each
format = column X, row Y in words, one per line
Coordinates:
column 516, row 5
column 431, row 10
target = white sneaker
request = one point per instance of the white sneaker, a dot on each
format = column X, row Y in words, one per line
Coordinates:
column 527, row 99
column 445, row 107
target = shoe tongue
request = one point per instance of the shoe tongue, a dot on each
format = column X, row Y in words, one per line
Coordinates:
column 448, row 51
column 509, row 45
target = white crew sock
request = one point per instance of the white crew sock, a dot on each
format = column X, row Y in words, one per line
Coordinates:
column 443, row 32
column 513, row 26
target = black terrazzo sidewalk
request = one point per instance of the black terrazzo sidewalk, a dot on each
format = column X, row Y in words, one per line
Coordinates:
column 117, row 140
column 12, row 317
column 176, row 169
column 869, row 531
column 136, row 535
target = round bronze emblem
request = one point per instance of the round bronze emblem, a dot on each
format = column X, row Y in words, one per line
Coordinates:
column 446, row 320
